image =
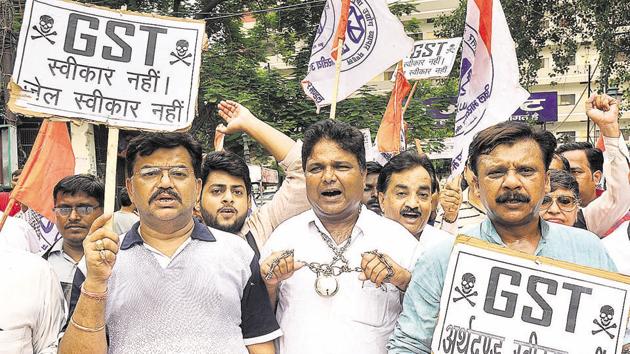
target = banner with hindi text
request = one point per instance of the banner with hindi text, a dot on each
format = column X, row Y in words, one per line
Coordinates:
column 107, row 66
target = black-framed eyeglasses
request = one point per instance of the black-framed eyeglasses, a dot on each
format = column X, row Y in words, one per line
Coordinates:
column 564, row 202
column 83, row 210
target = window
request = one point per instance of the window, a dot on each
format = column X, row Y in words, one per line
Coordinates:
column 416, row 36
column 571, row 61
column 567, row 100
column 566, row 137
column 430, row 20
column 545, row 63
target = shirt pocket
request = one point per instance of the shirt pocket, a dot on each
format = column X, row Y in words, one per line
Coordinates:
column 16, row 341
column 371, row 304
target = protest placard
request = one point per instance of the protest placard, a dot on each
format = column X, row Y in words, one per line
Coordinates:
column 431, row 58
column 124, row 69
column 497, row 300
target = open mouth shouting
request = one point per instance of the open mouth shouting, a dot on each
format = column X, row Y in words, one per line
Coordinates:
column 165, row 198
column 410, row 215
column 227, row 212
column 331, row 194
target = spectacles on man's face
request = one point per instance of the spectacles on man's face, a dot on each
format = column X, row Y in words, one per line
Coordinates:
column 83, row 210
column 155, row 173
column 564, row 202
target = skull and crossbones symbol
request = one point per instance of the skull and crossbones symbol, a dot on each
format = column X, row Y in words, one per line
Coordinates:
column 181, row 52
column 45, row 25
column 606, row 314
column 468, row 283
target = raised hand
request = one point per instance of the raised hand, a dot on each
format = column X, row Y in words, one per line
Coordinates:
column 100, row 247
column 278, row 266
column 603, row 110
column 236, row 117
column 451, row 199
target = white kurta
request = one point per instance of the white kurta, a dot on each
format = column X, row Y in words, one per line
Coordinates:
column 360, row 317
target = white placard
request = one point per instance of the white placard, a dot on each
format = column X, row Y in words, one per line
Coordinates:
column 124, row 69
column 511, row 304
column 431, row 58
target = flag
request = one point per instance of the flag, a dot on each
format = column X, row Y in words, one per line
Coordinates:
column 342, row 27
column 391, row 135
column 489, row 89
column 51, row 159
column 375, row 40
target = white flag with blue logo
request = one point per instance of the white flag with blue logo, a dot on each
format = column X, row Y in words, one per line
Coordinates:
column 375, row 40
column 489, row 88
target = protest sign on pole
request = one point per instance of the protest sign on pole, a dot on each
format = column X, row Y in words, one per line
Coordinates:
column 489, row 88
column 124, row 69
column 510, row 302
column 431, row 58
column 375, row 40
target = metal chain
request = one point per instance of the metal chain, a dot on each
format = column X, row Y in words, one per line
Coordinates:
column 388, row 267
column 276, row 261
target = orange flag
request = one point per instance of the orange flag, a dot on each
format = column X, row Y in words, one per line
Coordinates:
column 341, row 27
column 51, row 159
column 390, row 132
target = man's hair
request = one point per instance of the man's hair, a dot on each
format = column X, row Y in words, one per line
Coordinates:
column 373, row 167
column 564, row 179
column 565, row 163
column 509, row 133
column 82, row 183
column 343, row 134
column 123, row 197
column 228, row 162
column 146, row 143
column 594, row 156
column 16, row 172
column 404, row 161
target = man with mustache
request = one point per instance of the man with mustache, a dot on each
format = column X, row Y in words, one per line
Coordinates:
column 170, row 284
column 405, row 187
column 509, row 162
column 338, row 271
column 78, row 202
column 370, row 192
column 227, row 188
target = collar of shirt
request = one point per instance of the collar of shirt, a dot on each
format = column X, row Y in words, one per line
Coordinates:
column 316, row 225
column 200, row 232
column 57, row 248
column 487, row 231
column 132, row 238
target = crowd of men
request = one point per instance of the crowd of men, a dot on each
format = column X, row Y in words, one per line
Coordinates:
column 348, row 256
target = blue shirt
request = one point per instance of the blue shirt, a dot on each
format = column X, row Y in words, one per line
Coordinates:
column 414, row 330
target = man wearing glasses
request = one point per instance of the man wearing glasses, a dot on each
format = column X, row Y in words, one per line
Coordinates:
column 78, row 202
column 170, row 284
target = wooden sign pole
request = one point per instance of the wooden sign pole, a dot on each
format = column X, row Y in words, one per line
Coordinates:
column 110, row 173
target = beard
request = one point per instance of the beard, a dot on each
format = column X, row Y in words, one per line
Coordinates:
column 233, row 228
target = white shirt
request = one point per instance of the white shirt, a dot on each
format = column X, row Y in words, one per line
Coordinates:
column 32, row 308
column 63, row 265
column 18, row 234
column 359, row 318
column 618, row 246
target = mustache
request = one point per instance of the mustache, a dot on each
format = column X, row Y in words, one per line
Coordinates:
column 169, row 191
column 410, row 210
column 373, row 201
column 512, row 197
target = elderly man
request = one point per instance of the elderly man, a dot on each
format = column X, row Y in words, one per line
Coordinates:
column 405, row 186
column 227, row 188
column 370, row 191
column 587, row 164
column 510, row 162
column 78, row 202
column 172, row 285
column 337, row 271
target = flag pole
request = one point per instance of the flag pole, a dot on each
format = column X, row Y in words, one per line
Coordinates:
column 333, row 105
column 110, row 174
column 410, row 96
column 5, row 214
